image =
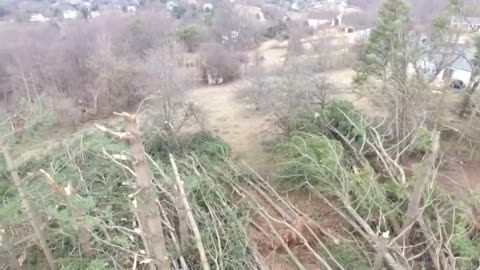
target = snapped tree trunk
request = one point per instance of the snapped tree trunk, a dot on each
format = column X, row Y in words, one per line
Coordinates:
column 32, row 218
column 414, row 209
column 146, row 209
column 191, row 219
column 182, row 222
column 77, row 213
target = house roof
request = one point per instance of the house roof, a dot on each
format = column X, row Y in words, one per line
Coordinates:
column 469, row 20
column 463, row 62
column 458, row 61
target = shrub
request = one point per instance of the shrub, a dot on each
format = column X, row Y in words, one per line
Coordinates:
column 423, row 141
column 218, row 62
column 309, row 158
column 158, row 148
column 190, row 36
column 343, row 116
column 179, row 11
column 206, row 144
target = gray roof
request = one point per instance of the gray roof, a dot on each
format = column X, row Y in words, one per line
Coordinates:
column 469, row 20
column 461, row 61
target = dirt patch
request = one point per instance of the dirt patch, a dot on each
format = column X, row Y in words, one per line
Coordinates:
column 313, row 214
column 243, row 128
column 459, row 177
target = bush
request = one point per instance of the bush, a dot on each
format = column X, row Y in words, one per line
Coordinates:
column 190, row 36
column 309, row 158
column 158, row 148
column 219, row 63
column 423, row 141
column 208, row 145
column 343, row 116
column 202, row 143
column 179, row 11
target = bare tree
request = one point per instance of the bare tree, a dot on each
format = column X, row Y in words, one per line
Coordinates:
column 295, row 88
column 219, row 64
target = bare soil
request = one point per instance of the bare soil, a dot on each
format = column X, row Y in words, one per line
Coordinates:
column 237, row 123
column 459, row 177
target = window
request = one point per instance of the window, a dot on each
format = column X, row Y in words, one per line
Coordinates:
column 447, row 74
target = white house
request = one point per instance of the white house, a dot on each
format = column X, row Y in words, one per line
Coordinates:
column 73, row 2
column 320, row 18
column 208, row 7
column 455, row 69
column 37, row 17
column 316, row 23
column 357, row 37
column 95, row 14
column 131, row 9
column 472, row 23
column 88, row 5
column 70, row 14
column 171, row 5
column 295, row 6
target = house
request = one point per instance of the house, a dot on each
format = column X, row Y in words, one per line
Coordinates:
column 208, row 7
column 131, row 9
column 37, row 17
column 314, row 24
column 472, row 23
column 296, row 6
column 70, row 14
column 88, row 5
column 357, row 36
column 171, row 5
column 456, row 69
column 73, row 2
column 95, row 14
column 320, row 18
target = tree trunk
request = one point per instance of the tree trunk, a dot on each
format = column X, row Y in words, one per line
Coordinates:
column 146, row 211
column 414, row 211
column 25, row 83
column 182, row 222
column 32, row 218
column 77, row 213
column 191, row 219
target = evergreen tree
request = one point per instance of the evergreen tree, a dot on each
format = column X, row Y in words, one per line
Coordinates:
column 387, row 47
column 390, row 49
column 472, row 88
